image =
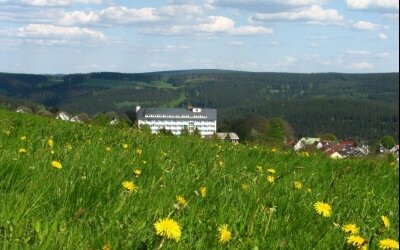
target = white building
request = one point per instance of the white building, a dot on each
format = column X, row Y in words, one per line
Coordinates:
column 177, row 119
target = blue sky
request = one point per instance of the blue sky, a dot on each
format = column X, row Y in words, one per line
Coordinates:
column 77, row 36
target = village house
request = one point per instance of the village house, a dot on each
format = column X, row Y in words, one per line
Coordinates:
column 233, row 137
column 178, row 119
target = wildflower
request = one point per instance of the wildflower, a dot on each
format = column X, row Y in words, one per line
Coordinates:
column 271, row 179
column 137, row 172
column 168, row 228
column 23, row 138
column 298, row 185
column 221, row 163
column 50, row 142
column 388, row 244
column 386, row 222
column 350, row 228
column 274, row 150
column 69, row 146
column 181, row 201
column 259, row 168
column 144, row 162
column 56, row 164
column 130, row 186
column 107, row 246
column 203, row 191
column 245, row 187
column 309, row 190
column 271, row 170
column 356, row 240
column 125, row 146
column 224, row 234
column 108, row 149
column 323, row 208
column 138, row 151
column 52, row 152
column 22, row 151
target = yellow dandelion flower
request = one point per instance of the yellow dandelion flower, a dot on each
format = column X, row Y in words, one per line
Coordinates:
column 52, row 152
column 23, row 138
column 108, row 149
column 168, row 228
column 203, row 191
column 138, row 151
column 323, row 208
column 245, row 187
column 224, row 234
column 50, row 142
column 125, row 146
column 144, row 162
column 386, row 222
column 130, row 186
column 274, row 150
column 106, row 246
column 356, row 240
column 22, row 151
column 271, row 179
column 181, row 201
column 271, row 170
column 137, row 172
column 56, row 164
column 298, row 185
column 350, row 228
column 388, row 244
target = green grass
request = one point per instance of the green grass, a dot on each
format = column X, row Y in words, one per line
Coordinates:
column 84, row 206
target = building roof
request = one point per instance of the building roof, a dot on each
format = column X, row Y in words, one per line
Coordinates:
column 210, row 113
column 232, row 136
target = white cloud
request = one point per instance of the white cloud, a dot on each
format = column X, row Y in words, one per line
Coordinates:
column 358, row 52
column 363, row 25
column 44, row 3
column 217, row 24
column 314, row 13
column 382, row 36
column 235, row 43
column 263, row 5
column 372, row 4
column 361, row 66
column 52, row 32
column 383, row 55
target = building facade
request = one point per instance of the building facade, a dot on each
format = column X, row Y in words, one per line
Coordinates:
column 178, row 119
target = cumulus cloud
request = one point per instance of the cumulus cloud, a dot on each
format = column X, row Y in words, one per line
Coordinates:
column 47, row 34
column 54, row 3
column 313, row 13
column 382, row 36
column 373, row 4
column 364, row 25
column 210, row 25
column 262, row 5
column 361, row 66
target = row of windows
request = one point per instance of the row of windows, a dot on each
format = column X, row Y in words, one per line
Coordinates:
column 179, row 121
column 177, row 116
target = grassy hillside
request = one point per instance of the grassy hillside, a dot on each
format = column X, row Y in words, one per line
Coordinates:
column 81, row 203
column 364, row 106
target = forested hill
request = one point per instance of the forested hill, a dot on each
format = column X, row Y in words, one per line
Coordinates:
column 359, row 105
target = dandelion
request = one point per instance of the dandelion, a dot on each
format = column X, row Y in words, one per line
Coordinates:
column 271, row 179
column 168, row 228
column 271, row 170
column 224, row 234
column 221, row 163
column 107, row 246
column 203, row 191
column 323, row 208
column 274, row 150
column 125, row 146
column 50, row 142
column 388, row 244
column 108, row 149
column 245, row 187
column 144, row 162
column 56, row 164
column 181, row 201
column 22, row 151
column 298, row 185
column 130, row 186
column 138, row 151
column 137, row 172
column 356, row 240
column 386, row 222
column 52, row 152
column 23, row 138
column 350, row 228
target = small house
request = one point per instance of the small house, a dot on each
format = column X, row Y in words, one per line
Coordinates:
column 233, row 137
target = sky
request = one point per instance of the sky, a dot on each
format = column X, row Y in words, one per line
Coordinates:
column 80, row 36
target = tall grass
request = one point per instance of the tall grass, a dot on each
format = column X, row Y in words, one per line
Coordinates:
column 84, row 205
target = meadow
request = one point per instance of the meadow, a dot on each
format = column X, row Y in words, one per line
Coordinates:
column 76, row 186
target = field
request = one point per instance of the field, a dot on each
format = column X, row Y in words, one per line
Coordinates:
column 74, row 186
